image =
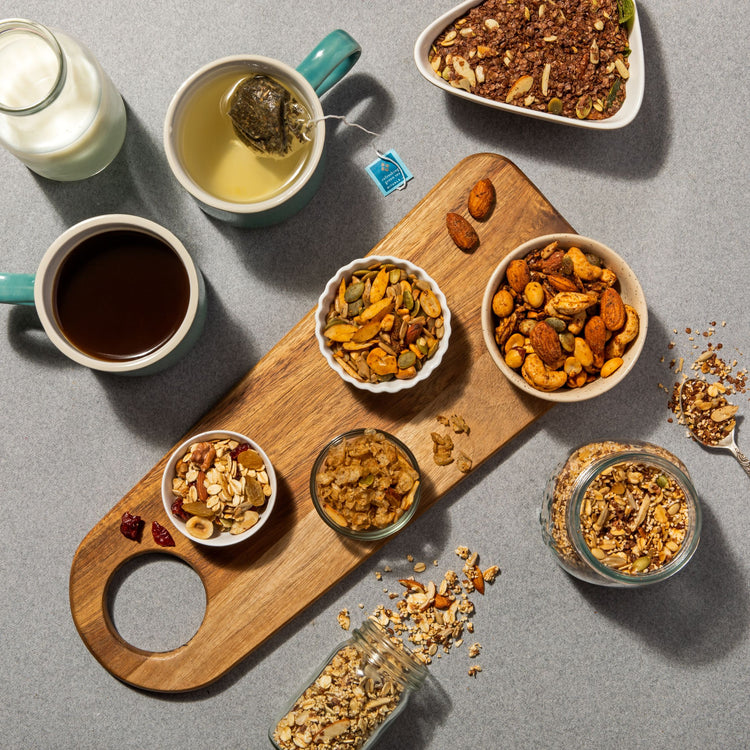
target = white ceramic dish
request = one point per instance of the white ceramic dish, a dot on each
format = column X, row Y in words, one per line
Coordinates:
column 629, row 288
column 219, row 539
column 625, row 115
column 329, row 294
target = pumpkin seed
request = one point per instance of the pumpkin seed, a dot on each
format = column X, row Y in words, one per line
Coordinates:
column 556, row 324
column 641, row 564
column 555, row 106
column 406, row 359
column 354, row 291
column 583, row 107
column 408, row 299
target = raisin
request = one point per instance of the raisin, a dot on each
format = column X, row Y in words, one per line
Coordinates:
column 178, row 511
column 161, row 536
column 131, row 526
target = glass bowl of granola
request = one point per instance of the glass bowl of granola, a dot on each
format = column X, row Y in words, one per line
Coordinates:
column 490, row 53
column 218, row 488
column 564, row 317
column 366, row 484
column 382, row 324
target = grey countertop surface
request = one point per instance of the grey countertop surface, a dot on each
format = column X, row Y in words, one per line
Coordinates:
column 564, row 664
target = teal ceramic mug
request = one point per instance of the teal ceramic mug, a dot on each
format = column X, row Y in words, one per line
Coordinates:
column 116, row 293
column 228, row 180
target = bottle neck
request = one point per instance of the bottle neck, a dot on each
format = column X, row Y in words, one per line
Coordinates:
column 33, row 69
column 383, row 659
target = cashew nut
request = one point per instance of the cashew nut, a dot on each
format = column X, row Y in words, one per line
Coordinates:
column 581, row 266
column 538, row 375
column 618, row 342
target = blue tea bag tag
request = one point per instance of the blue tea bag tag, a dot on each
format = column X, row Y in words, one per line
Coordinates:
column 389, row 172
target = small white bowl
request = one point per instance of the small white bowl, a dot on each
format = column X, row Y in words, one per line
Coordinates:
column 630, row 291
column 624, row 116
column 222, row 539
column 329, row 294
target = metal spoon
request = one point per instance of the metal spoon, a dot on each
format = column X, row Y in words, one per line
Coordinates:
column 727, row 443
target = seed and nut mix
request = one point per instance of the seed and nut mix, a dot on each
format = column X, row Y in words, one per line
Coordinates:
column 705, row 410
column 220, row 485
column 384, row 323
column 560, row 318
column 565, row 57
column 366, row 481
column 634, row 516
column 341, row 709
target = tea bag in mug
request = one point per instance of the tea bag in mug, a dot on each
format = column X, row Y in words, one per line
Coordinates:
column 266, row 116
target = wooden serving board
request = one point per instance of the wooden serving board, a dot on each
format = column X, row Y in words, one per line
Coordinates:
column 292, row 403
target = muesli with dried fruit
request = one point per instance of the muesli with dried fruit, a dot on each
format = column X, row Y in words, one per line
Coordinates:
column 563, row 57
column 220, row 486
column 560, row 319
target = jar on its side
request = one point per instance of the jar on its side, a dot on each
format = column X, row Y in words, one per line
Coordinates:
column 357, row 692
column 621, row 514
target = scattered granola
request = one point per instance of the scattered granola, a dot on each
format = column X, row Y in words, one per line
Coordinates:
column 432, row 616
column 344, row 619
column 366, row 481
column 220, row 485
column 443, row 446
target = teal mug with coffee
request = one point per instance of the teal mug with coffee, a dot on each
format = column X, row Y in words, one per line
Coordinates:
column 224, row 161
column 116, row 293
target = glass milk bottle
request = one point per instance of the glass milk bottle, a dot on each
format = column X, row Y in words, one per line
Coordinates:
column 60, row 114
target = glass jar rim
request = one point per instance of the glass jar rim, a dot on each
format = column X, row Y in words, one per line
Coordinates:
column 400, row 663
column 10, row 25
column 639, row 452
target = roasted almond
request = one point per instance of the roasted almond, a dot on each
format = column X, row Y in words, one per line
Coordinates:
column 546, row 344
column 482, row 199
column 562, row 283
column 518, row 274
column 461, row 232
column 595, row 334
column 612, row 309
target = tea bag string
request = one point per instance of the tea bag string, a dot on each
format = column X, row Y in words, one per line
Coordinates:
column 380, row 154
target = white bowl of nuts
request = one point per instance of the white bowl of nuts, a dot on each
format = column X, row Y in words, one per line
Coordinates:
column 564, row 317
column 481, row 53
column 218, row 488
column 382, row 324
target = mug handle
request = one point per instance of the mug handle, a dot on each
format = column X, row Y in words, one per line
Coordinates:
column 17, row 288
column 330, row 60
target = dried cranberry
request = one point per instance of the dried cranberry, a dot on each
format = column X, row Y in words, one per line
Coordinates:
column 161, row 536
column 239, row 449
column 131, row 526
column 177, row 510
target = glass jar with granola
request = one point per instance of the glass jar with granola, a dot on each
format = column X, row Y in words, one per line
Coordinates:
column 357, row 692
column 621, row 514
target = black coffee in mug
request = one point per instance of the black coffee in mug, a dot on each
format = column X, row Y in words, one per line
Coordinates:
column 121, row 294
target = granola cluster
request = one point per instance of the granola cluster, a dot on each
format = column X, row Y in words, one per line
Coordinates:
column 443, row 446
